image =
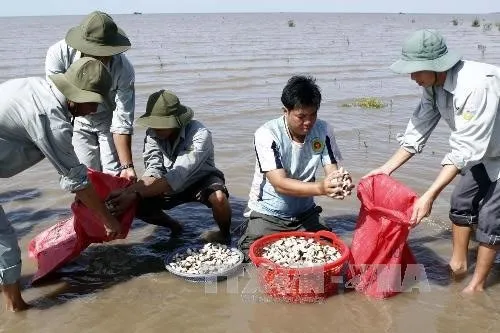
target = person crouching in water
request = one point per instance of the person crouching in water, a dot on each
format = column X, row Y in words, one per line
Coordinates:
column 180, row 168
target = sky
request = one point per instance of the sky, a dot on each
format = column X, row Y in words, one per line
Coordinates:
column 82, row 7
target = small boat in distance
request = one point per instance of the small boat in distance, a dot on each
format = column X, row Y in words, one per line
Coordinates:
column 137, row 13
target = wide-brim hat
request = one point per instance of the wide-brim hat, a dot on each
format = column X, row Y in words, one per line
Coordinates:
column 87, row 80
column 98, row 35
column 164, row 111
column 425, row 50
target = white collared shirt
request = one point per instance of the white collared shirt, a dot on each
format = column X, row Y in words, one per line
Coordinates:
column 188, row 160
column 469, row 102
column 34, row 124
column 117, row 118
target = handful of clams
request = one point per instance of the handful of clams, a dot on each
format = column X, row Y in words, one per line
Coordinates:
column 212, row 258
column 300, row 252
column 346, row 180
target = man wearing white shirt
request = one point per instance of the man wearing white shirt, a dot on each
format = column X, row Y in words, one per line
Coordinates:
column 35, row 123
column 466, row 94
column 102, row 140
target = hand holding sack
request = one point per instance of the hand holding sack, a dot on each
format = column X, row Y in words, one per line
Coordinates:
column 64, row 241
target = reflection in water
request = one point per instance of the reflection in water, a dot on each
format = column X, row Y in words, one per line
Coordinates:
column 231, row 68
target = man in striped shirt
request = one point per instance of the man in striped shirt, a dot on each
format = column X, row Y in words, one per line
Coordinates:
column 289, row 150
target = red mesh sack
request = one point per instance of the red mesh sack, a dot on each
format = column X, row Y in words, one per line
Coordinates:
column 64, row 241
column 380, row 254
column 88, row 225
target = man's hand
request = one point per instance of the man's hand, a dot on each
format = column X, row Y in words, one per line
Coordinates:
column 400, row 157
column 112, row 227
column 115, row 193
column 421, row 209
column 118, row 202
column 129, row 173
column 332, row 184
column 377, row 171
column 343, row 179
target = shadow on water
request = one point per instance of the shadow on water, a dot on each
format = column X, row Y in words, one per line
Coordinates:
column 24, row 219
column 19, row 195
column 436, row 267
column 342, row 225
column 103, row 266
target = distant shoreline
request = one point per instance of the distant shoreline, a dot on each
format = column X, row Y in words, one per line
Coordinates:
column 256, row 13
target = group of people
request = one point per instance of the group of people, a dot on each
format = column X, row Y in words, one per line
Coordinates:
column 82, row 116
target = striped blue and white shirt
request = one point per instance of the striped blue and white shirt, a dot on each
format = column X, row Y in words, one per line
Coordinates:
column 274, row 150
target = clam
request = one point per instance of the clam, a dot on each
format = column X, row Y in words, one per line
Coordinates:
column 211, row 258
column 300, row 252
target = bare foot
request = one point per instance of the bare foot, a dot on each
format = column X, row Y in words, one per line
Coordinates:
column 175, row 228
column 164, row 220
column 17, row 306
column 13, row 300
column 472, row 289
column 458, row 271
column 215, row 236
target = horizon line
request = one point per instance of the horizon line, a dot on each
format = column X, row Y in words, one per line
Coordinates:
column 254, row 12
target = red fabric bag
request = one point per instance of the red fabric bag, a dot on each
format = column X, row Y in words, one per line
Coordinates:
column 380, row 254
column 64, row 241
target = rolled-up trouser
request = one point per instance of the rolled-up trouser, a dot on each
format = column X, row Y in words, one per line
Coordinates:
column 197, row 192
column 10, row 254
column 95, row 147
column 476, row 200
column 259, row 225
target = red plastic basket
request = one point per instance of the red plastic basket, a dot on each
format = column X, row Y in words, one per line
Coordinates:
column 304, row 284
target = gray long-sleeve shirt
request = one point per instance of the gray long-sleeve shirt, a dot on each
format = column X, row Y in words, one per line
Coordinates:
column 469, row 102
column 35, row 123
column 188, row 160
column 60, row 56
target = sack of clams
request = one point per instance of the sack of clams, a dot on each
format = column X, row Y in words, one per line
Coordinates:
column 211, row 259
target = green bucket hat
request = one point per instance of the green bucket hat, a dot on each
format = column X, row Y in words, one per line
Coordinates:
column 98, row 35
column 164, row 111
column 425, row 50
column 87, row 80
